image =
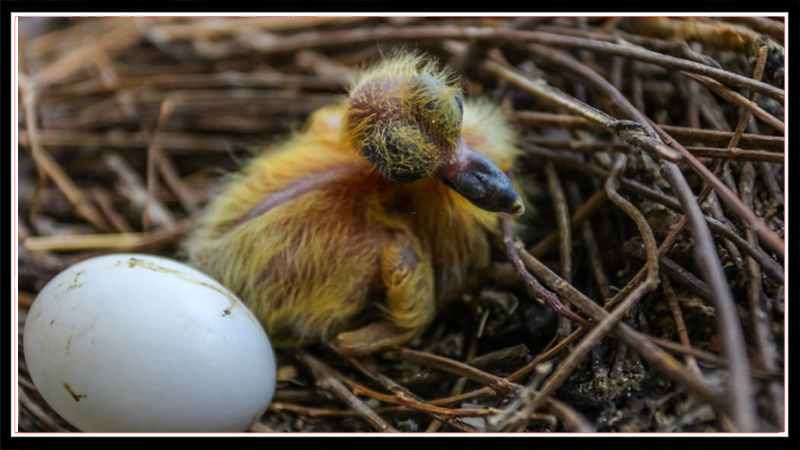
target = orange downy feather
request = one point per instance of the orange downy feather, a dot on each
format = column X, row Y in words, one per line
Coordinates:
column 299, row 233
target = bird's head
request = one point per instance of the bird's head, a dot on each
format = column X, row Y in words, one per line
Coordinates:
column 404, row 116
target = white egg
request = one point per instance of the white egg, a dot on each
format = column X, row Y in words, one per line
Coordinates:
column 132, row 342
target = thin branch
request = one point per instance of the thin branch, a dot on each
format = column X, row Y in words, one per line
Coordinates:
column 327, row 379
column 267, row 44
column 693, row 135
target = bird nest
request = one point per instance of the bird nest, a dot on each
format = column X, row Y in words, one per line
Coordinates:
column 653, row 165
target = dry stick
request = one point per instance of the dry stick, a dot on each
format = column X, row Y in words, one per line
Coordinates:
column 773, row 28
column 740, row 100
column 268, row 44
column 592, row 248
column 137, row 193
column 117, row 39
column 765, row 354
column 218, row 27
column 155, row 155
column 720, row 166
column 517, row 375
column 182, row 142
column 582, row 213
column 42, row 46
column 639, row 342
column 407, row 398
column 622, row 129
column 709, row 358
column 734, row 153
column 564, row 233
column 740, row 387
column 113, row 241
column 185, row 195
column 501, row 356
column 593, row 338
column 328, row 379
column 709, row 137
column 532, row 285
column 326, row 412
column 227, row 79
column 562, row 216
column 499, row 384
column 360, row 389
column 742, row 406
column 767, row 263
column 744, row 411
column 46, row 165
column 680, row 325
column 516, row 415
column 572, row 420
column 677, row 49
column 711, row 33
column 458, row 386
column 103, row 198
column 38, row 412
column 630, row 132
column 769, row 178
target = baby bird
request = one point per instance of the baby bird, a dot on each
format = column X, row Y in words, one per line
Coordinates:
column 390, row 198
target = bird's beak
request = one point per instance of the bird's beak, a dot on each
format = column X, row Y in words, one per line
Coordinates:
column 477, row 178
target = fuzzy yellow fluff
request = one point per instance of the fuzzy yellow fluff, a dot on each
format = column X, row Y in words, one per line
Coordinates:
column 309, row 233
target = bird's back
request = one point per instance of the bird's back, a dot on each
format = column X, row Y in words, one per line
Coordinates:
column 290, row 234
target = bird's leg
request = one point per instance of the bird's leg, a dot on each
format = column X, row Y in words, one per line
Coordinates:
column 408, row 277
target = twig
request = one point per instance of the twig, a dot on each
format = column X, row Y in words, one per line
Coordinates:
column 591, row 247
column 535, row 289
column 711, row 33
column 562, row 216
column 707, row 137
column 38, row 412
column 564, row 233
column 734, row 153
column 112, row 241
column 140, row 197
column 267, row 44
column 103, row 198
column 118, row 38
column 739, row 100
column 649, row 141
column 572, row 419
column 407, row 398
column 499, row 384
column 328, row 379
column 581, row 214
column 773, row 28
column 632, row 133
column 48, row 166
column 710, row 358
column 771, row 266
column 518, row 375
column 649, row 351
column 593, row 338
column 501, row 356
column 765, row 353
column 680, row 325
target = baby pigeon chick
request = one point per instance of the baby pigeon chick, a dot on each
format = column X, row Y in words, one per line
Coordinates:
column 390, row 198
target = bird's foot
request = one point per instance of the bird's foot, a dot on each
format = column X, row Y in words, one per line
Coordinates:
column 372, row 338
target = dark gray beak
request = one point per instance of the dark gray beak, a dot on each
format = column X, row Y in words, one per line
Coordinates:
column 477, row 178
